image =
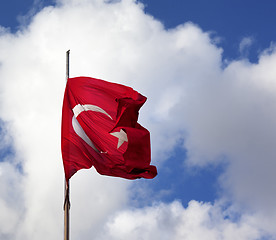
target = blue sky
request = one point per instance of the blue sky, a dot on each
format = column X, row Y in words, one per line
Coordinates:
column 207, row 70
column 230, row 20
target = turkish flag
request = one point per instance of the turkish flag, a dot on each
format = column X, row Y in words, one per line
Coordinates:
column 100, row 129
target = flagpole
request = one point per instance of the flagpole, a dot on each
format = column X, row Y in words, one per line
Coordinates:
column 66, row 184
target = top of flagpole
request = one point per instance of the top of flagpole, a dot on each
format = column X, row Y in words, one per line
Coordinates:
column 67, row 64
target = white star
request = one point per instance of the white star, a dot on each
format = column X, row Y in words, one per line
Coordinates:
column 122, row 137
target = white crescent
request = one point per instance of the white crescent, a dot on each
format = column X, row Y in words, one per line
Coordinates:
column 122, row 136
column 80, row 108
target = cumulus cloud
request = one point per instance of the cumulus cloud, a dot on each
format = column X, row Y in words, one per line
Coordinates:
column 238, row 126
column 197, row 221
column 11, row 201
column 220, row 114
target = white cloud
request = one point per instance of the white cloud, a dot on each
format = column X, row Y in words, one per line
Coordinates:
column 244, row 46
column 222, row 115
column 238, row 125
column 11, row 201
column 197, row 221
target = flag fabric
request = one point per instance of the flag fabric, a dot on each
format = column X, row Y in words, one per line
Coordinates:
column 100, row 129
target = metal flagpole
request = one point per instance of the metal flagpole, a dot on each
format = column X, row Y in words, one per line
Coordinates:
column 66, row 184
column 66, row 210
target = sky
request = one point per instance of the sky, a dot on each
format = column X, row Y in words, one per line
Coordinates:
column 207, row 69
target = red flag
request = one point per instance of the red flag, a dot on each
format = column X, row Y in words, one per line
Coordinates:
column 100, row 129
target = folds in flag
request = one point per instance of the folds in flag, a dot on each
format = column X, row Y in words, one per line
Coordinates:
column 100, row 129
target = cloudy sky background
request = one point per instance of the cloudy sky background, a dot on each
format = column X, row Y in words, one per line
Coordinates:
column 210, row 82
